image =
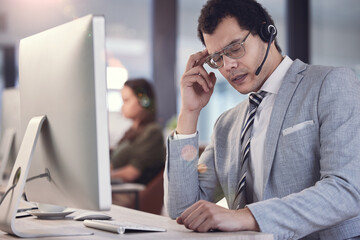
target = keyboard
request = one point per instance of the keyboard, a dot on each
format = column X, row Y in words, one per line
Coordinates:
column 119, row 227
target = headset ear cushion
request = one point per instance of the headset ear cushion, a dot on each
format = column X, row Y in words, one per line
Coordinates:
column 266, row 30
column 145, row 101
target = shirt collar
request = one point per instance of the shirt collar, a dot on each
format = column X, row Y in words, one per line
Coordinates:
column 273, row 83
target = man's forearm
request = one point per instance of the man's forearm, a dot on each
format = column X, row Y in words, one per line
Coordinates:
column 187, row 122
column 180, row 179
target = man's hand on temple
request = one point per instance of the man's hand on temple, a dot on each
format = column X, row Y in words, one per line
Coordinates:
column 196, row 87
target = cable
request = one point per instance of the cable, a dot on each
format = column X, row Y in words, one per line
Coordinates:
column 273, row 33
column 47, row 174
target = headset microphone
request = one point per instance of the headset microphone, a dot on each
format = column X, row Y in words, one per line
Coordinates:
column 272, row 30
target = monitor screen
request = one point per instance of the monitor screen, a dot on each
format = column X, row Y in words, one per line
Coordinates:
column 62, row 75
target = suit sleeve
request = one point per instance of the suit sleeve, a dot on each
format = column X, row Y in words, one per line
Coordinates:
column 185, row 180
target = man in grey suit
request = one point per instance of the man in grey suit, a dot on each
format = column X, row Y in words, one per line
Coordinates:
column 288, row 160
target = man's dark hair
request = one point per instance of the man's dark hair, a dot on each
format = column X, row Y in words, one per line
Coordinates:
column 249, row 14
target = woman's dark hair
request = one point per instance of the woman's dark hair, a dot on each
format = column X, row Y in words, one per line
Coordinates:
column 144, row 91
column 249, row 14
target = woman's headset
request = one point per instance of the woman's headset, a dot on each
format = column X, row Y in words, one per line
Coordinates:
column 144, row 100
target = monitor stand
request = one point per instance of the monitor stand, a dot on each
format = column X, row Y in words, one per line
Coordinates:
column 5, row 149
column 19, row 173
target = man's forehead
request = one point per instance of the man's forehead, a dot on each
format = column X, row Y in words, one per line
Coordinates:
column 226, row 32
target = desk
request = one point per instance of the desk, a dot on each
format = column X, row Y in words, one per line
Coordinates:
column 174, row 230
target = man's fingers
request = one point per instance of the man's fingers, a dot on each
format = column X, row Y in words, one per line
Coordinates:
column 191, row 218
column 212, row 78
column 199, row 222
column 203, row 58
column 200, row 76
column 179, row 220
column 196, row 59
column 188, row 211
column 196, row 73
column 196, row 217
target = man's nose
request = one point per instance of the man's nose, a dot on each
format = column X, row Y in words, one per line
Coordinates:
column 229, row 63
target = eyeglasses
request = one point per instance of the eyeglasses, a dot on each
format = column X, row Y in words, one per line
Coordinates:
column 234, row 50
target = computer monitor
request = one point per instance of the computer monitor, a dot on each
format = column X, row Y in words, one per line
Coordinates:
column 62, row 81
column 10, row 131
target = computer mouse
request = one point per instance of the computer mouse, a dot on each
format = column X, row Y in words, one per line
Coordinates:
column 91, row 215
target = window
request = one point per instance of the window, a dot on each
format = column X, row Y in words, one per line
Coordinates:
column 335, row 34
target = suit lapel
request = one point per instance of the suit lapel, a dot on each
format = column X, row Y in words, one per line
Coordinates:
column 282, row 101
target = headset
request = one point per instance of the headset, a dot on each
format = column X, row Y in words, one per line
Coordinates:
column 267, row 33
column 144, row 100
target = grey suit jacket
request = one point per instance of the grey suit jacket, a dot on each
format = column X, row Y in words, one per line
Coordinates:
column 312, row 165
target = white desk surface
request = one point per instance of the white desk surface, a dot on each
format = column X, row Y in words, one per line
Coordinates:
column 174, row 230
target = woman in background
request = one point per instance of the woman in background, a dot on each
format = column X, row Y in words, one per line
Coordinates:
column 140, row 154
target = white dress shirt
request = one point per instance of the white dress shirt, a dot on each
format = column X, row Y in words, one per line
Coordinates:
column 261, row 123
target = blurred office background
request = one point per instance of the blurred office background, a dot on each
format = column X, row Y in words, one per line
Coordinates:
column 153, row 39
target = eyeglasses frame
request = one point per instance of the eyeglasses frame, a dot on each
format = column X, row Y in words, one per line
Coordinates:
column 224, row 52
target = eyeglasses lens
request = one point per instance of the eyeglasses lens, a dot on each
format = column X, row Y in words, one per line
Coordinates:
column 234, row 51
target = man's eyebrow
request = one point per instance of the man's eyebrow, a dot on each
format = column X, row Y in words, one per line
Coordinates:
column 233, row 41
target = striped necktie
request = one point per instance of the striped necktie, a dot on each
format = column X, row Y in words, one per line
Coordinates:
column 254, row 101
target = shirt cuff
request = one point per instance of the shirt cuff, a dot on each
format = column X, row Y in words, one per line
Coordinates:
column 177, row 136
